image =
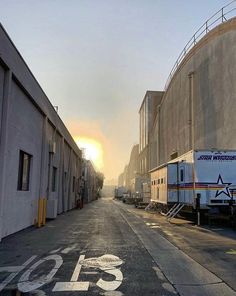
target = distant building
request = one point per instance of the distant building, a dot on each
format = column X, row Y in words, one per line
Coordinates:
column 121, row 179
column 130, row 170
column 108, row 190
column 90, row 181
column 110, row 182
column 134, row 162
column 147, row 144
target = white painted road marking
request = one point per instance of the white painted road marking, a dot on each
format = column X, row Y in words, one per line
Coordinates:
column 106, row 263
column 67, row 250
column 55, row 251
column 14, row 270
column 231, row 252
column 76, row 272
column 89, row 272
column 73, row 285
column 151, row 224
column 167, row 233
column 25, row 285
column 111, row 285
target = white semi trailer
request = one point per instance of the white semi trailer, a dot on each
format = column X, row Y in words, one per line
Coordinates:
column 208, row 175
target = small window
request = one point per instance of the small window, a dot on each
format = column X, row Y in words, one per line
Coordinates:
column 161, row 180
column 158, row 181
column 181, row 175
column 24, row 171
column 73, row 185
column 54, row 179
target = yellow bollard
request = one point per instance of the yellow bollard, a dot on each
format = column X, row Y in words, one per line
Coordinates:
column 39, row 212
column 42, row 208
column 44, row 211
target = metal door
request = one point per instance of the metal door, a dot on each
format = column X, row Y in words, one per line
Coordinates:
column 182, row 187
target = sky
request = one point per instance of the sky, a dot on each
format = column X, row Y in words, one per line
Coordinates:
column 95, row 59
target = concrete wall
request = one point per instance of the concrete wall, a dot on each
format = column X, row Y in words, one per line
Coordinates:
column 28, row 122
column 24, row 122
column 198, row 108
column 2, row 75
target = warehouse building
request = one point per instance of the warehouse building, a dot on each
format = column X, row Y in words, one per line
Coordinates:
column 198, row 107
column 196, row 110
column 38, row 156
column 131, row 170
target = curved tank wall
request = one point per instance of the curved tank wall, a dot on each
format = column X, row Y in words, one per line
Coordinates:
column 199, row 107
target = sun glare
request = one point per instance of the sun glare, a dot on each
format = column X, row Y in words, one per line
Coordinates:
column 92, row 150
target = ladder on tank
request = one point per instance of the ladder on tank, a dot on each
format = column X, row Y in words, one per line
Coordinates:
column 174, row 211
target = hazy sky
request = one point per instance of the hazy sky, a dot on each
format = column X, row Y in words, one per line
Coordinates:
column 95, row 59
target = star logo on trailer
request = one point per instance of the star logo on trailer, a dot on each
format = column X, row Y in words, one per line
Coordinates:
column 225, row 187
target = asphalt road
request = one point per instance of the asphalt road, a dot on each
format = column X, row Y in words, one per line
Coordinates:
column 97, row 230
column 112, row 249
column 213, row 247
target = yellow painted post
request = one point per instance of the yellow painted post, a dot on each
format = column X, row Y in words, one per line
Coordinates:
column 39, row 212
column 44, row 210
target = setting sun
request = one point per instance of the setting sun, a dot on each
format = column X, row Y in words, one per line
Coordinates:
column 92, row 150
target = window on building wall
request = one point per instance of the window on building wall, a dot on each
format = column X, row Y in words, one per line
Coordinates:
column 24, row 171
column 54, row 179
column 161, row 180
column 73, row 185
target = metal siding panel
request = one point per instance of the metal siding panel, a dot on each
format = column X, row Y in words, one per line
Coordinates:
column 2, row 74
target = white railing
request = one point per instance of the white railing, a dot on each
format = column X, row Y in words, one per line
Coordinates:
column 219, row 17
